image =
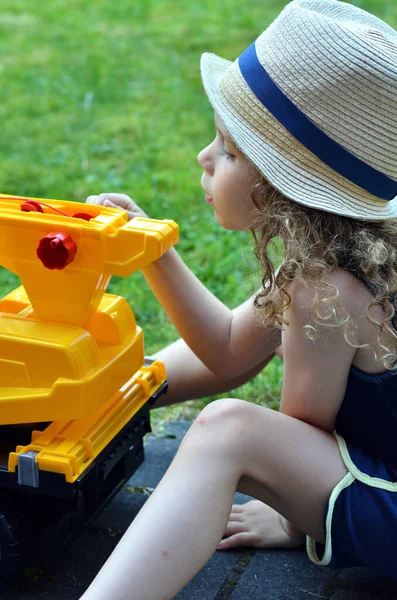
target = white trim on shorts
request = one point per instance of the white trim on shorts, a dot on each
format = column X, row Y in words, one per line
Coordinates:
column 352, row 475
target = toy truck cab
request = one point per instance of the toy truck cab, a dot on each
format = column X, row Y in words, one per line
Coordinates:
column 75, row 389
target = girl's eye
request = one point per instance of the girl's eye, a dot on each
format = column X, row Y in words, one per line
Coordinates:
column 227, row 155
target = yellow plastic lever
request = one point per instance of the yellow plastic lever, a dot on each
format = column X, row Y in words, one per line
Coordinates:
column 105, row 245
column 65, row 346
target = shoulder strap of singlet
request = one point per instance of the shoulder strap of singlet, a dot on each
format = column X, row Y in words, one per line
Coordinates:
column 371, row 288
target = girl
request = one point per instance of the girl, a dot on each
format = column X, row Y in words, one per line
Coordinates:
column 305, row 149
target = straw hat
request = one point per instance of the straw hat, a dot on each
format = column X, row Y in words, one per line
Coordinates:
column 313, row 104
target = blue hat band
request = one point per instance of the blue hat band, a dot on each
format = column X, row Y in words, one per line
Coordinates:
column 308, row 134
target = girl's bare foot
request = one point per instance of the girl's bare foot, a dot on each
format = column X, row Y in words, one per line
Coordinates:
column 256, row 524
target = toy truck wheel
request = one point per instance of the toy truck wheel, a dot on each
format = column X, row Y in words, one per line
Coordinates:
column 13, row 543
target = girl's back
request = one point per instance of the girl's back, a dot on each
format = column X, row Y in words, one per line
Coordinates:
column 368, row 414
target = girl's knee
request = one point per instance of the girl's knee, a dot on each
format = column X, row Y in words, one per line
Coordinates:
column 225, row 425
column 222, row 414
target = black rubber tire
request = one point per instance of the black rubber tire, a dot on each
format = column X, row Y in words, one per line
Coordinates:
column 13, row 545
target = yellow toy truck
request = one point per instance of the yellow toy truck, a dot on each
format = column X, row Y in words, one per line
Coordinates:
column 75, row 389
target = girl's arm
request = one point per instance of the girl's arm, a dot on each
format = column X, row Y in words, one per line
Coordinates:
column 188, row 378
column 228, row 342
column 315, row 373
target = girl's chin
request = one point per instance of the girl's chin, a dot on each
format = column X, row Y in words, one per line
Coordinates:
column 225, row 223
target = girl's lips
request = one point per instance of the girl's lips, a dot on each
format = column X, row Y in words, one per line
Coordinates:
column 208, row 199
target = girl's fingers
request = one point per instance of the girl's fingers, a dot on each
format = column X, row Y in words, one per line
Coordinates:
column 237, row 509
column 233, row 541
column 93, row 200
column 233, row 527
column 125, row 202
column 121, row 200
column 110, row 204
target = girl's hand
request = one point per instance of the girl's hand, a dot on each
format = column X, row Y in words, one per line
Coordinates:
column 118, row 201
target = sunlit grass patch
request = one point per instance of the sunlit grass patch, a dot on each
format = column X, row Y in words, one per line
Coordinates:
column 106, row 96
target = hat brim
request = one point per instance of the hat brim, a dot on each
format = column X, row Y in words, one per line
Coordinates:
column 288, row 165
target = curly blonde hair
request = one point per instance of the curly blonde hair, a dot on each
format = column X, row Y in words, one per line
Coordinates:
column 315, row 244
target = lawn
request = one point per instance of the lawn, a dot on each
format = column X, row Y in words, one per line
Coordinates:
column 106, row 96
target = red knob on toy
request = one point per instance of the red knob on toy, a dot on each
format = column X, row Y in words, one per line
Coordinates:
column 31, row 206
column 56, row 250
column 83, row 215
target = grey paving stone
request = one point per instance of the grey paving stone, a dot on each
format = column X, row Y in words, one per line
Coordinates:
column 47, row 591
column 362, row 584
column 120, row 512
column 350, row 595
column 281, row 575
column 212, row 578
column 370, row 594
column 289, row 575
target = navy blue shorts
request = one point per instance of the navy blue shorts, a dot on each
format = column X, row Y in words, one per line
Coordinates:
column 361, row 517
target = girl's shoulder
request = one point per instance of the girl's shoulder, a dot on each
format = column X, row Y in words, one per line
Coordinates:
column 340, row 286
column 341, row 296
column 354, row 294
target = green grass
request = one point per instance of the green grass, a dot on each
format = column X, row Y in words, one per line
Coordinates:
column 106, row 96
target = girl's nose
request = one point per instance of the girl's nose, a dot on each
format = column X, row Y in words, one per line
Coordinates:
column 205, row 160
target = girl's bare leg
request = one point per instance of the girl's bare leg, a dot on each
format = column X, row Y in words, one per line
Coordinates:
column 250, row 524
column 286, row 463
column 258, row 525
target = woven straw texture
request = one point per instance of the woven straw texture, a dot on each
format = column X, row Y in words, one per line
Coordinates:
column 338, row 65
